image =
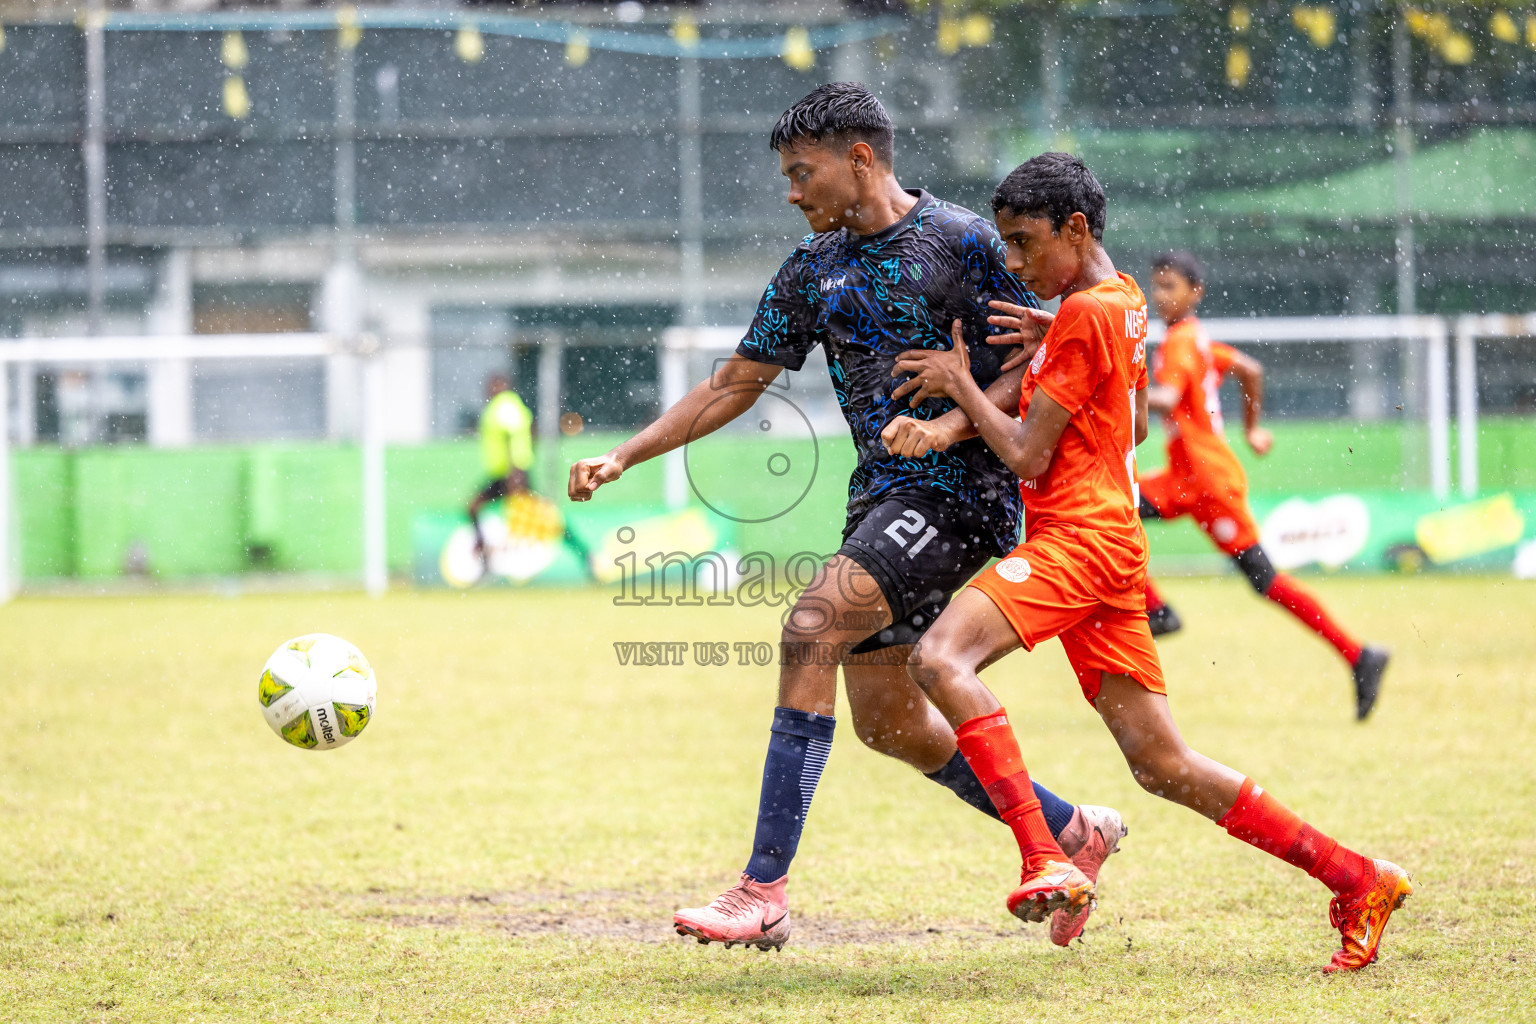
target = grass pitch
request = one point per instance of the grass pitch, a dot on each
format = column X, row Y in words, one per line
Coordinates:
column 509, row 837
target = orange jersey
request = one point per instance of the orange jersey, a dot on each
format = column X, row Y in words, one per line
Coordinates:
column 1092, row 362
column 1192, row 364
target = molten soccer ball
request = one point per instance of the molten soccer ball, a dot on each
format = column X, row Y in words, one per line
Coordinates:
column 318, row 691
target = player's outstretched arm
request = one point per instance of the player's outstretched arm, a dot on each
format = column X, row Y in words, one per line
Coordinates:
column 1250, row 379
column 729, row 392
column 1025, row 448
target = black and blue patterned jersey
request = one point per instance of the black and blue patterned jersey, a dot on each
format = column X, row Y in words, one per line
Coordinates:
column 866, row 299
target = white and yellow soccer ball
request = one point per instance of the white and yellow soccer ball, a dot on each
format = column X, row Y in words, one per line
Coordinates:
column 318, row 692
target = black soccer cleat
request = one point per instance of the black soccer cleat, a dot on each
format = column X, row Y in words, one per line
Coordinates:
column 1368, row 671
column 1164, row 620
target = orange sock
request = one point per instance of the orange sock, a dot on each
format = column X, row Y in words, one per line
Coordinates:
column 1260, row 820
column 1154, row 599
column 992, row 751
column 1289, row 594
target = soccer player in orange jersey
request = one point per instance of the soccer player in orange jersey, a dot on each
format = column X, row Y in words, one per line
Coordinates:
column 1081, row 570
column 1203, row 479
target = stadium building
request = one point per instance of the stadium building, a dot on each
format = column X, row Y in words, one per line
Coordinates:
column 544, row 188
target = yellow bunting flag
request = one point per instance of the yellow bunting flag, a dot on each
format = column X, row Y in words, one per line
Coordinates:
column 348, row 32
column 948, row 37
column 1456, row 48
column 1503, row 28
column 1430, row 25
column 1239, row 66
column 976, row 30
column 797, row 52
column 685, row 31
column 1319, row 24
column 237, row 102
column 576, row 50
column 469, row 45
column 1435, row 28
column 233, row 52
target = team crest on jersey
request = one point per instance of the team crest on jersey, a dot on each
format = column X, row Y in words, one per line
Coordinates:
column 1014, row 570
column 1039, row 360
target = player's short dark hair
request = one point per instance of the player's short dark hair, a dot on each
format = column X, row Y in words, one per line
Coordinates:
column 1182, row 263
column 1054, row 186
column 838, row 112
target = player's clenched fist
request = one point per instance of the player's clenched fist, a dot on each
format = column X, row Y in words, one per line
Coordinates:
column 1260, row 440
column 590, row 474
column 910, row 438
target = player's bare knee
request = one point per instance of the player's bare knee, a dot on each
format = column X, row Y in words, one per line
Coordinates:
column 1147, row 779
column 804, row 638
column 871, row 724
column 1154, row 777
column 929, row 665
column 875, row 736
column 810, row 619
column 1137, row 745
column 1170, row 773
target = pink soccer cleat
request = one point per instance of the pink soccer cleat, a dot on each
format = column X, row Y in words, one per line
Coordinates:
column 752, row 913
column 1093, row 834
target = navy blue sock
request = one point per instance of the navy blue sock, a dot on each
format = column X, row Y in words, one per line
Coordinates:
column 797, row 752
column 1058, row 813
column 958, row 777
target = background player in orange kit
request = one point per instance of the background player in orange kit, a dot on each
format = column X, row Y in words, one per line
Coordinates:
column 1080, row 570
column 1203, row 479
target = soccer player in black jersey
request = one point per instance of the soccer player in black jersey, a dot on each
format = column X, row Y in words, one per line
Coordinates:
column 885, row 270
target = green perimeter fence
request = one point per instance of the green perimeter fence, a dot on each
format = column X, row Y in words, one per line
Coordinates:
column 104, row 512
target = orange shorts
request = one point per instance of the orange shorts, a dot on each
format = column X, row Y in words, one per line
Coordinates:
column 1225, row 518
column 1041, row 599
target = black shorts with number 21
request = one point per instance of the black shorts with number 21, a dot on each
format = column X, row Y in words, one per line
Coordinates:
column 920, row 547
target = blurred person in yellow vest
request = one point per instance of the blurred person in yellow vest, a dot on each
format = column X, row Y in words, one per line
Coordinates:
column 506, row 448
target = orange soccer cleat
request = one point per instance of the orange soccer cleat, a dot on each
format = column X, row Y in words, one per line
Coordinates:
column 1362, row 916
column 1055, row 886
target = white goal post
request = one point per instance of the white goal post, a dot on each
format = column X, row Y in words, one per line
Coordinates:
column 1436, row 332
column 1394, row 329
column 679, row 344
column 145, row 349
